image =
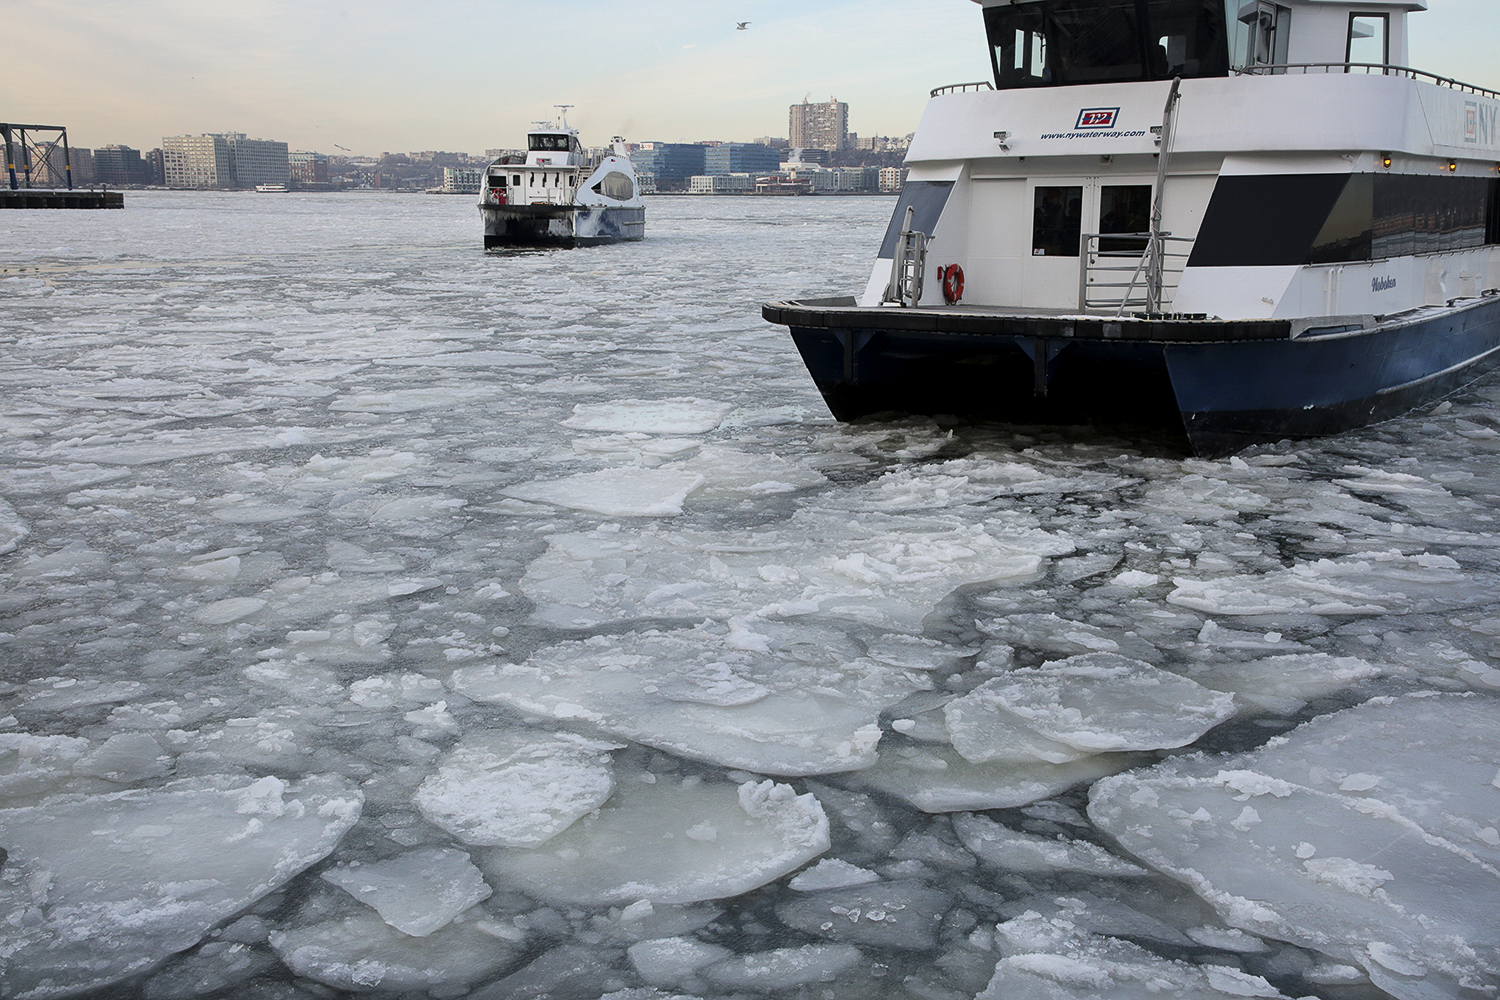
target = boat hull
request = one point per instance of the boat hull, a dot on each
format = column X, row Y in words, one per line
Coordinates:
column 560, row 225
column 1228, row 385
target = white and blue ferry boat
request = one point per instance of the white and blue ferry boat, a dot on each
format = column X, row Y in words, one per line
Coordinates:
column 557, row 194
column 1247, row 215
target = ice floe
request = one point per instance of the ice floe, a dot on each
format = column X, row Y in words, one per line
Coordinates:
column 670, row 841
column 1303, row 842
column 99, row 887
column 516, row 790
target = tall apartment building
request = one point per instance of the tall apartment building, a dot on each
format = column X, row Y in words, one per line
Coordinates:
column 223, row 161
column 819, row 126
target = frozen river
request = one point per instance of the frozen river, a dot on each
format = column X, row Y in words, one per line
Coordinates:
column 379, row 614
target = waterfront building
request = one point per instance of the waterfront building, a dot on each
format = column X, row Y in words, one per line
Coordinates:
column 740, row 158
column 671, row 163
column 721, row 184
column 121, row 165
column 892, row 179
column 307, row 168
column 819, row 126
column 223, row 160
column 462, row 180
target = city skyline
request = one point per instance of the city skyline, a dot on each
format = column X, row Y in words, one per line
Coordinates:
column 384, row 77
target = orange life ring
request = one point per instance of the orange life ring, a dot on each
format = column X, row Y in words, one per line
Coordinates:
column 953, row 283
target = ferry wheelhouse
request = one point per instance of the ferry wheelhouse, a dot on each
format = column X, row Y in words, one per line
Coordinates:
column 1247, row 215
column 557, row 194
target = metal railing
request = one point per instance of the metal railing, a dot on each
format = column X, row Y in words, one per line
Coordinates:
column 1370, row 69
column 954, row 88
column 907, row 265
column 1115, row 271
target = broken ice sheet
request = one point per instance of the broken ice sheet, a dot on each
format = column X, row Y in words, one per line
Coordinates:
column 770, row 697
column 615, row 492
column 935, row 779
column 1299, row 841
column 99, row 887
column 1389, row 582
column 362, row 952
column 1052, row 959
column 1281, row 684
column 1012, row 850
column 416, row 892
column 885, row 570
column 516, row 789
column 1092, row 703
column 670, row 841
column 684, row 415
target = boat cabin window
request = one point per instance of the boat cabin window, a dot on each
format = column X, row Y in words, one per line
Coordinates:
column 1057, row 221
column 1124, row 209
column 1369, row 39
column 1063, row 42
column 616, row 185
column 540, row 141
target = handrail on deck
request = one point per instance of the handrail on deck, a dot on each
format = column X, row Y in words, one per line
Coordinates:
column 955, row 87
column 1371, row 69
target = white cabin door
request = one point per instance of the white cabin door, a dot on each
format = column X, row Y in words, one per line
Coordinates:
column 1058, row 207
column 1076, row 221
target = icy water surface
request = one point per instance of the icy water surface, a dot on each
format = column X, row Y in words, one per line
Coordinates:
column 382, row 616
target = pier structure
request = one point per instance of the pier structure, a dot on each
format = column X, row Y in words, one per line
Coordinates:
column 36, row 156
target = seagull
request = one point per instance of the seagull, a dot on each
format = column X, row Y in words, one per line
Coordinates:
column 740, row 25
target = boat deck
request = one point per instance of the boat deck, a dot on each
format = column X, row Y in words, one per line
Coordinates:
column 990, row 321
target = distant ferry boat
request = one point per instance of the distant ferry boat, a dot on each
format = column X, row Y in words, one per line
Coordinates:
column 270, row 188
column 556, row 195
column 1244, row 215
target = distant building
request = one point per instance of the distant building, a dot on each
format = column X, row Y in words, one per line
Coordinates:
column 721, row 184
column 258, row 161
column 671, row 163
column 223, row 161
column 819, row 126
column 196, row 161
column 461, row 180
column 892, row 179
column 121, row 165
column 308, row 168
column 157, row 169
column 740, row 158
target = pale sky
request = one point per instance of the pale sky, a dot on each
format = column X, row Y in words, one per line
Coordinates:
column 471, row 75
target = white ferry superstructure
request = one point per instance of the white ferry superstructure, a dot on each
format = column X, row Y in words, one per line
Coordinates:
column 1248, row 215
column 556, row 194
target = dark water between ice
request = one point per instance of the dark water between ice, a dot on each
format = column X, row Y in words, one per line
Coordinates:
column 381, row 614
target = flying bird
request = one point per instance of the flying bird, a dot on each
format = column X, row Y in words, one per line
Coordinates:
column 344, row 148
column 740, row 25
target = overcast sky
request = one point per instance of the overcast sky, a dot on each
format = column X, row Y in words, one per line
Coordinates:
column 471, row 75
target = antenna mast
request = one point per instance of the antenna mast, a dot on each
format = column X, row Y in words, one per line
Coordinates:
column 564, row 109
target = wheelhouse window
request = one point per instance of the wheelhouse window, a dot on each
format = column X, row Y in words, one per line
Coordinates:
column 541, row 142
column 1063, row 42
column 1369, row 39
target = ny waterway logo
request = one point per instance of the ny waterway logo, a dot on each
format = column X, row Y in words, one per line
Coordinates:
column 1097, row 117
column 1382, row 284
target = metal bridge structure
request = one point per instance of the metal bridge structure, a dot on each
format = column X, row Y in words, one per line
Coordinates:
column 36, row 154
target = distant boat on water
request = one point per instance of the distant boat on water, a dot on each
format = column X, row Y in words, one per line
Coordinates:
column 558, row 195
column 271, row 188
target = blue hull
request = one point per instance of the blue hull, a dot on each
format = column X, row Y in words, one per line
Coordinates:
column 1226, row 384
